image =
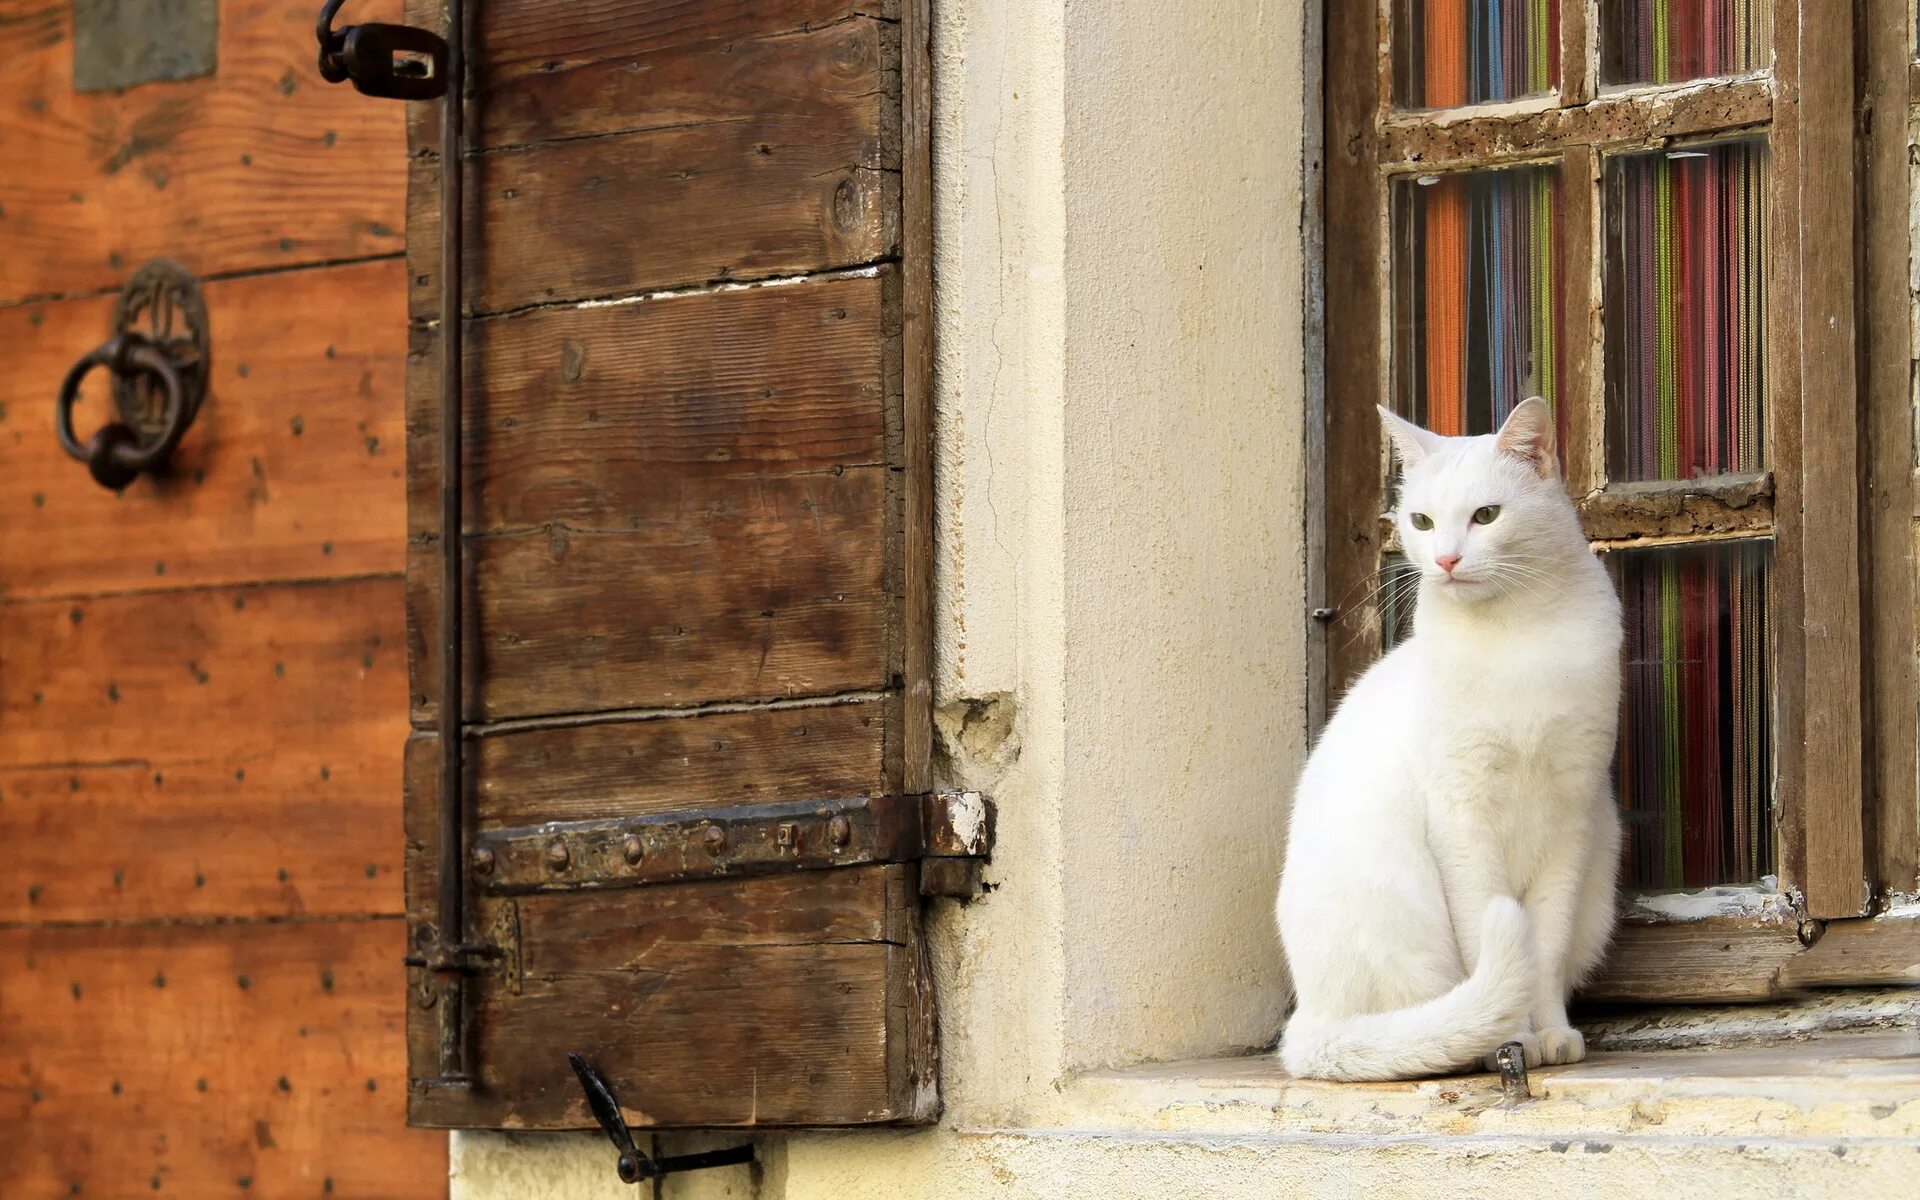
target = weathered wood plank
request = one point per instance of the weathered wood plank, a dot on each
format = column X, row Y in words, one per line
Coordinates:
column 294, row 468
column 1459, row 137
column 607, row 216
column 773, row 1001
column 1834, row 867
column 1887, row 352
column 1582, row 409
column 597, row 416
column 1355, row 213
column 611, row 769
column 258, row 165
column 1783, row 454
column 1700, row 962
column 306, row 673
column 1882, row 952
column 916, row 347
column 310, row 830
column 1690, row 508
column 749, row 589
column 551, row 73
column 245, row 1059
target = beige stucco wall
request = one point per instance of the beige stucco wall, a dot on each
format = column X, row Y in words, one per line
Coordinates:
column 1121, row 406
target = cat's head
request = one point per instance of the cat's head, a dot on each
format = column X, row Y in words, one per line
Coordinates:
column 1481, row 517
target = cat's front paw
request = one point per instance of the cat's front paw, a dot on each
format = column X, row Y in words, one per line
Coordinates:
column 1529, row 1048
column 1561, row 1046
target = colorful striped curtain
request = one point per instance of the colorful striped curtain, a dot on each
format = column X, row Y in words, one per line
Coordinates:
column 1477, row 263
column 1453, row 52
column 1666, row 41
column 1695, row 758
column 1688, row 376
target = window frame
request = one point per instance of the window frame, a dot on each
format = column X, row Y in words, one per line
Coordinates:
column 1840, row 506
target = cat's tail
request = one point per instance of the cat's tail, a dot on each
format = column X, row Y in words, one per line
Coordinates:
column 1440, row 1036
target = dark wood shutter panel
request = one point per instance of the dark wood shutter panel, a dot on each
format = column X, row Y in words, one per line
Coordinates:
column 697, row 559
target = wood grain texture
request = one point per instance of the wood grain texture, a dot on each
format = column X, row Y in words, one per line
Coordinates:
column 311, row 831
column 609, row 216
column 293, row 469
column 1352, row 474
column 616, row 768
column 772, row 1001
column 533, row 59
column 1832, row 674
column 916, row 268
column 1680, row 509
column 1883, row 952
column 259, row 165
column 1582, row 409
column 598, row 417
column 548, row 73
column 209, row 1061
column 233, row 678
column 684, row 520
column 1463, row 138
column 206, row 753
column 750, row 589
column 1701, row 962
column 1783, row 451
column 1886, row 347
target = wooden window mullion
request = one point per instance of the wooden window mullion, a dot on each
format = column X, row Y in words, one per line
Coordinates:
column 1584, row 404
column 1887, row 549
column 1818, row 177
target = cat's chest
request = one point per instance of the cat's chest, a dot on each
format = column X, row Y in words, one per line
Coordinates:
column 1525, row 710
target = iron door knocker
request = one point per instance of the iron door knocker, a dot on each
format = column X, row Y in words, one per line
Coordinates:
column 159, row 377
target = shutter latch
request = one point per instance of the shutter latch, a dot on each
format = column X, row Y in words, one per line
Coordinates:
column 635, row 1164
column 393, row 62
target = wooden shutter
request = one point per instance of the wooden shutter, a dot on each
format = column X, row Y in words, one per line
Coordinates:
column 695, row 511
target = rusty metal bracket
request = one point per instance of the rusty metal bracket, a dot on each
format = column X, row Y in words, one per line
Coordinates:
column 948, row 831
column 956, row 841
column 667, row 848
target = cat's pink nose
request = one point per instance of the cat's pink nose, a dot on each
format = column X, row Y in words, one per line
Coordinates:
column 1447, row 562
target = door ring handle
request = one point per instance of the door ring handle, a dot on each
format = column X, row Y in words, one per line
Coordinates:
column 158, row 356
column 116, row 454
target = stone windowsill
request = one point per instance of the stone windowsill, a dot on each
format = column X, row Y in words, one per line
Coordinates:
column 1840, row 1086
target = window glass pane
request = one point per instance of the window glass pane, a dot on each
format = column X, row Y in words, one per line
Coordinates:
column 1695, row 770
column 1665, row 41
column 1476, row 292
column 1453, row 52
column 1686, row 312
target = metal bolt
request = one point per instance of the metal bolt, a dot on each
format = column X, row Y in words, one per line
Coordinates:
column 839, row 831
column 558, row 856
column 714, row 839
column 633, row 849
column 1810, row 932
column 483, row 860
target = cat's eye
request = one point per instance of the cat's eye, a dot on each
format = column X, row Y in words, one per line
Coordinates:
column 1485, row 514
column 1420, row 520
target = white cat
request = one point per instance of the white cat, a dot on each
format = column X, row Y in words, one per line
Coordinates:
column 1450, row 869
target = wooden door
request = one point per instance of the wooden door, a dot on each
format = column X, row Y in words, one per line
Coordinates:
column 203, row 678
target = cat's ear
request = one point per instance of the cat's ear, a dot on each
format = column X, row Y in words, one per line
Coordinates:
column 1528, row 436
column 1410, row 442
